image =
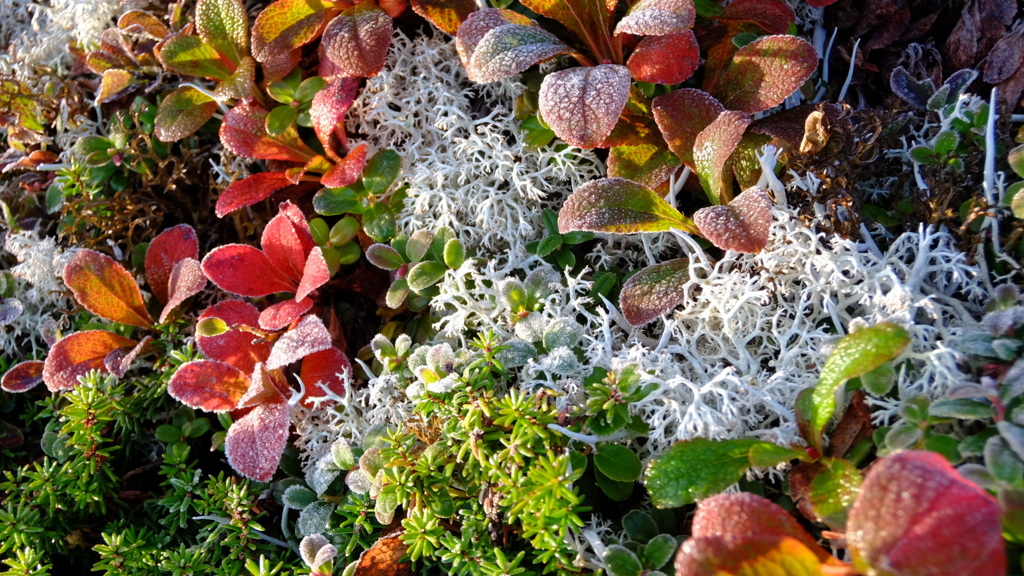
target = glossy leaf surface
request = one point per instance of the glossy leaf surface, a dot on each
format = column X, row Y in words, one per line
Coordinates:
column 256, row 441
column 682, row 115
column 77, row 354
column 742, row 225
column 357, row 40
column 165, row 251
column 765, row 72
column 105, row 288
column 620, row 206
column 582, row 105
column 22, row 376
column 654, row 290
column 182, row 112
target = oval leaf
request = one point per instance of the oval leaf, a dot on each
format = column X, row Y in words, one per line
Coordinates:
column 654, row 291
column 208, row 385
column 746, row 555
column 224, row 25
column 712, row 149
column 244, row 270
column 582, row 105
column 425, row 274
column 249, row 191
column 773, row 16
column 384, row 256
column 510, row 49
column 478, row 24
column 105, row 288
column 917, row 516
column 620, row 206
column 765, row 72
column 681, row 115
column 307, row 337
column 357, row 40
column 113, row 84
column 186, row 281
column 165, row 251
column 327, row 113
column 618, row 462
column 280, row 315
column 743, row 513
column 22, row 376
column 244, row 132
column 285, row 25
column 320, row 372
column 658, row 18
column 190, row 56
column 255, row 443
column 447, row 15
column 668, row 59
column 77, row 354
column 182, row 112
column 742, row 225
column 234, row 346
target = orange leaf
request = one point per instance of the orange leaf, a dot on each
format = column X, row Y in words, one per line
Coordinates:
column 105, row 288
column 79, row 353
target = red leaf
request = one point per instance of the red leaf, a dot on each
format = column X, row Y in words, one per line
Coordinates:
column 357, row 40
column 640, row 153
column 283, row 248
column 327, row 112
column 510, row 49
column 78, row 353
column 582, row 105
column 658, row 18
column 249, row 191
column 239, row 348
column 654, row 291
column 280, row 315
column 314, row 275
column 120, row 360
column 668, row 59
column 745, row 555
column 244, row 132
column 24, row 376
column 298, row 219
column 681, row 115
column 916, row 516
column 105, row 288
column 320, row 371
column 348, row 170
column 208, row 385
column 280, row 65
column 765, row 72
column 746, row 514
column 711, row 150
column 447, row 15
column 167, row 249
column 256, row 441
column 245, row 271
column 773, row 16
column 182, row 112
column 187, row 280
column 820, row 3
column 263, row 390
column 309, row 336
column 287, row 24
column 742, row 225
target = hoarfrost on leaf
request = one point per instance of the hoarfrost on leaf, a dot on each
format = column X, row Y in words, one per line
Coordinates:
column 658, row 18
column 309, row 336
column 582, row 105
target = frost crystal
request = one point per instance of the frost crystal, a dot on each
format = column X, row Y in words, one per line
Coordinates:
column 40, row 291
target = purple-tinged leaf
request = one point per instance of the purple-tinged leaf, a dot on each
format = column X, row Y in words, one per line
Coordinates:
column 244, row 132
column 765, row 72
column 285, row 25
column 478, row 24
column 745, row 555
column 105, row 288
column 447, row 15
column 654, row 291
column 49, row 330
column 238, row 346
column 917, row 516
column 582, row 105
column 357, row 40
column 384, row 256
column 587, row 20
column 245, row 271
column 909, row 89
column 308, row 336
column 249, row 191
column 618, row 206
column 256, row 441
column 120, row 360
column 742, row 225
column 681, row 115
column 668, row 59
column 327, row 113
column 190, row 56
column 320, row 371
column 712, row 148
column 224, row 25
column 282, row 314
column 10, row 310
column 23, row 376
column 209, row 385
column 182, row 112
column 773, row 16
column 314, row 275
column 114, row 83
column 658, row 18
column 346, row 171
column 77, row 354
column 510, row 49
column 186, row 280
column 239, row 85
column 165, row 251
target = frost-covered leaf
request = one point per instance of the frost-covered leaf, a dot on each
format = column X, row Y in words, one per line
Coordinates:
column 916, row 516
column 765, row 72
column 287, row 24
column 699, row 468
column 77, row 354
column 909, row 89
column 256, row 441
column 165, row 251
column 478, row 24
column 246, row 271
column 22, row 376
column 447, row 15
column 582, row 105
column 320, row 372
column 638, row 151
column 742, row 225
column 654, row 291
column 105, row 288
column 746, row 555
column 182, row 112
column 348, row 170
column 142, row 22
column 190, row 56
column 668, row 59
column 711, row 150
column 384, row 256
column 310, row 548
column 658, row 18
column 328, row 110
column 584, row 19
column 224, row 25
column 237, row 347
column 308, row 336
column 314, row 275
column 833, row 490
column 682, row 115
column 208, row 385
column 315, row 518
column 856, row 353
column 357, row 40
column 510, row 49
column 113, row 84
column 423, row 275
column 773, row 16
column 120, row 360
column 279, row 316
column 286, row 243
column 10, row 310
column 244, row 132
column 248, row 191
column 619, row 206
column 186, row 280
column 240, row 84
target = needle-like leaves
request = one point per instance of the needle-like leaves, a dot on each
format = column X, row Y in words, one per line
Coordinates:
column 105, row 288
column 582, row 105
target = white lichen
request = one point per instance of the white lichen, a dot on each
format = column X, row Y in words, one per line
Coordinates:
column 40, row 290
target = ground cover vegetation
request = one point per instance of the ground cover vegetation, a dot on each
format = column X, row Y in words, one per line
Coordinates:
column 388, row 288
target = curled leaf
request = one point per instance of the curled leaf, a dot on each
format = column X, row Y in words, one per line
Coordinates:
column 357, row 40
column 620, row 206
column 327, row 113
column 165, row 251
column 510, row 49
column 654, row 291
column 582, row 105
column 478, row 24
column 186, row 280
column 682, row 115
column 105, row 288
column 712, row 149
column 658, row 18
column 742, row 225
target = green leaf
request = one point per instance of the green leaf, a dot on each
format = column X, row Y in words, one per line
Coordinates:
column 379, row 222
column 397, row 293
column 280, row 119
column 384, row 256
column 1016, row 159
column 923, row 155
column 335, row 201
column 343, row 231
column 381, row 171
column 168, row 434
column 209, row 327
column 182, row 112
column 309, row 88
column 548, row 245
column 619, row 206
column 224, row 25
column 961, row 409
column 613, row 489
column 699, row 468
column 191, row 56
column 659, row 551
column 712, row 149
column 654, row 291
column 287, row 24
column 621, row 561
column 946, row 142
column 281, row 92
column 298, row 497
column 618, row 462
column 425, row 274
column 833, row 491
column 454, row 253
column 577, row 237
column 856, row 354
column 879, row 381
column 639, row 526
